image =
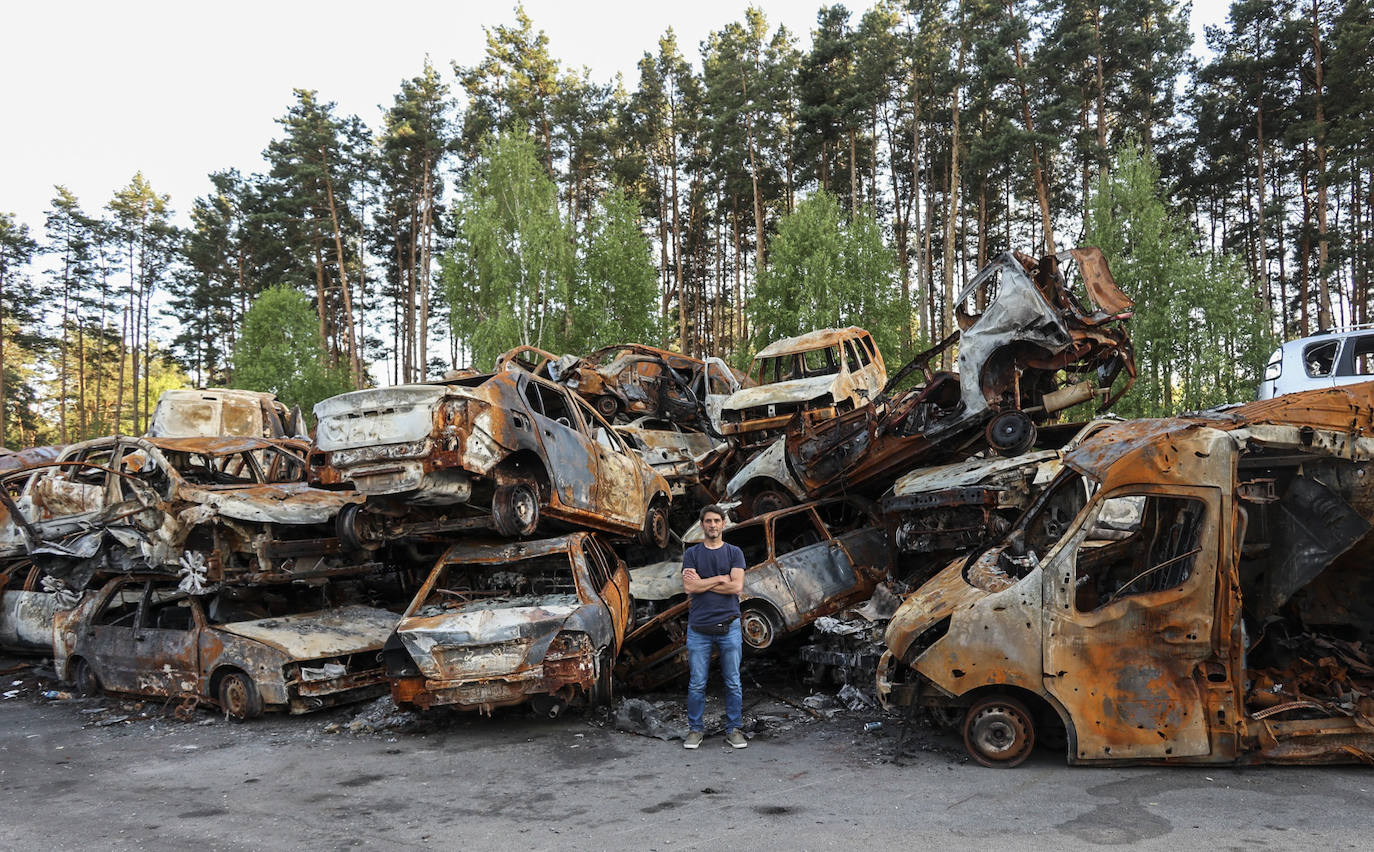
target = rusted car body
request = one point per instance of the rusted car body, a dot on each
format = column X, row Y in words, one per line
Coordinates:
column 143, row 636
column 205, row 509
column 221, row 412
column 804, row 562
column 502, row 623
column 820, row 374
column 630, row 380
column 1188, row 590
column 508, row 451
column 1022, row 327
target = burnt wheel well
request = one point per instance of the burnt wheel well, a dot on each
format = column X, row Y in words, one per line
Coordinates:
column 1054, row 728
column 525, row 464
column 218, row 675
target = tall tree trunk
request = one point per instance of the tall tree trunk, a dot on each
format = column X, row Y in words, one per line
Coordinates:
column 426, row 244
column 1323, row 290
column 947, row 310
column 1042, row 189
column 350, row 329
column 853, row 173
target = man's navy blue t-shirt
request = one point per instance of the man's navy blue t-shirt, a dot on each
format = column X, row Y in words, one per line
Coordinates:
column 712, row 607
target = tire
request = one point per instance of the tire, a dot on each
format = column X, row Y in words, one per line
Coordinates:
column 84, row 678
column 655, row 531
column 770, row 500
column 603, row 690
column 355, row 529
column 758, row 628
column 239, row 697
column 608, row 407
column 999, row 731
column 515, row 509
column 1011, row 433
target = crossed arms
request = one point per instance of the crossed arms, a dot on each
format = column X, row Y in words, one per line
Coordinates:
column 731, row 584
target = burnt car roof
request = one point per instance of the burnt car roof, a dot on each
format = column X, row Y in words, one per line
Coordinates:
column 1348, row 409
column 811, row 340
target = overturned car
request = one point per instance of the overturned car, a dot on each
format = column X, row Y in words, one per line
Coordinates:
column 506, row 451
column 1188, row 590
column 246, row 651
column 502, row 623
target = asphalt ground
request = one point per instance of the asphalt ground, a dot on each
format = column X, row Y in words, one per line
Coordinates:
column 111, row 773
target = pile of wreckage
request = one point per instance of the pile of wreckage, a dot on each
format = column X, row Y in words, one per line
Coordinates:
column 1163, row 590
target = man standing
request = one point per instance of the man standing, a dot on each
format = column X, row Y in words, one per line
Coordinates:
column 713, row 577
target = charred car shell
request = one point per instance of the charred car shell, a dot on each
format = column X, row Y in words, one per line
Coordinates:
column 512, row 448
column 1209, row 555
column 143, row 636
column 502, row 623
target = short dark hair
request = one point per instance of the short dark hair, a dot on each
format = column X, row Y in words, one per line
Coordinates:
column 711, row 509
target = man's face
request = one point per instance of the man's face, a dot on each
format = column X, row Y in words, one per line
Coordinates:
column 712, row 524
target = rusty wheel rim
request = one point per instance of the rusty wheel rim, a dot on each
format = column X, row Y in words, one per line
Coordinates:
column 999, row 732
column 658, row 526
column 235, row 696
column 770, row 501
column 758, row 628
column 524, row 507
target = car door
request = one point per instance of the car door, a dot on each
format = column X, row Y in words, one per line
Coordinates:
column 720, row 384
column 612, row 582
column 1130, row 598
column 108, row 641
column 71, row 496
column 166, row 642
column 817, row 570
column 570, row 455
column 619, row 485
column 1356, row 360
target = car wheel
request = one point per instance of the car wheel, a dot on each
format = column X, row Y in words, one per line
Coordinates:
column 603, row 690
column 239, row 697
column 84, row 678
column 515, row 509
column 356, row 529
column 999, row 731
column 770, row 500
column 655, row 531
column 759, row 628
column 608, row 407
column 1011, row 433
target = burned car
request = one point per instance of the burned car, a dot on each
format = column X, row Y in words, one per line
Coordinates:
column 820, row 374
column 502, row 623
column 804, row 562
column 246, row 651
column 630, row 380
column 1028, row 348
column 205, row 509
column 221, row 412
column 506, row 451
column 1188, row 590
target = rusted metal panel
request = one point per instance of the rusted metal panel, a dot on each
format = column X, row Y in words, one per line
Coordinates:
column 212, row 412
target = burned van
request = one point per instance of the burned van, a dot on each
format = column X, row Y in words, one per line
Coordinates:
column 1188, row 590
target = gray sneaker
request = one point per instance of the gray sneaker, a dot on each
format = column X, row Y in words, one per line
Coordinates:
column 736, row 739
column 693, row 739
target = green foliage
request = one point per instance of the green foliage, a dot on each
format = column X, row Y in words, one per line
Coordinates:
column 829, row 270
column 508, row 274
column 279, row 351
column 1201, row 332
column 617, row 284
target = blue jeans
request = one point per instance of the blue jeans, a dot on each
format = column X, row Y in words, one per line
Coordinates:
column 699, row 646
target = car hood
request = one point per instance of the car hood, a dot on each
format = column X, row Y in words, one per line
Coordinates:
column 796, row 390
column 327, row 633
column 974, row 471
column 491, row 640
column 285, row 503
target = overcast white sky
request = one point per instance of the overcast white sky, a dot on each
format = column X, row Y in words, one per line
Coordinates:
column 96, row 91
